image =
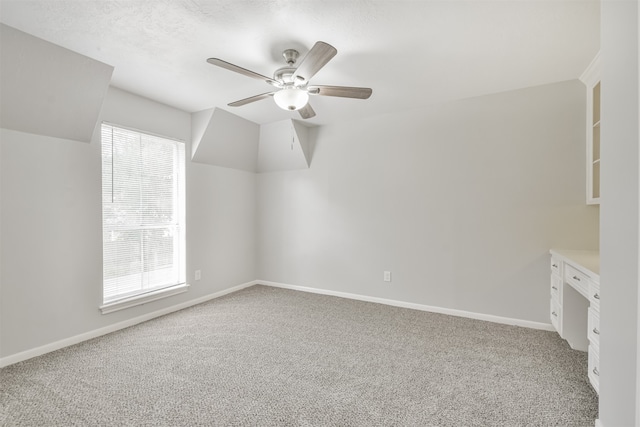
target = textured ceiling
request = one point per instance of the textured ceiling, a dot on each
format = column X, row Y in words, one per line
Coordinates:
column 412, row 53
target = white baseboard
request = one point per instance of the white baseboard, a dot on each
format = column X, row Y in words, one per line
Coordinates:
column 598, row 423
column 421, row 307
column 38, row 351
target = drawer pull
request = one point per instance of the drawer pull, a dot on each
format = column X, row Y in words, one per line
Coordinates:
column 555, row 266
column 554, row 313
column 595, row 371
column 554, row 288
column 576, row 278
column 596, row 296
column 596, row 331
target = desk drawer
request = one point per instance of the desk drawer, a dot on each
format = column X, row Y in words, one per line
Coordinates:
column 578, row 280
column 555, row 313
column 594, row 328
column 556, row 266
column 594, row 369
column 556, row 288
column 594, row 295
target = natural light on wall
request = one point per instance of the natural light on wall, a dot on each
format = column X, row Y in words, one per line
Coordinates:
column 143, row 217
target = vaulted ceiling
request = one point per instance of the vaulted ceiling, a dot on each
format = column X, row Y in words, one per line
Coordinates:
column 412, row 53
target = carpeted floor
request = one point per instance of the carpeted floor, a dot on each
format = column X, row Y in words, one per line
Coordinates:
column 266, row 356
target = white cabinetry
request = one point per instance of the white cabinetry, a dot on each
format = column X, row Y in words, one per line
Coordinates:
column 575, row 303
column 591, row 79
column 556, row 294
column 594, row 335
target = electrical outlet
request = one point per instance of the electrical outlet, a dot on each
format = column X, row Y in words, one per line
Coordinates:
column 198, row 274
column 387, row 276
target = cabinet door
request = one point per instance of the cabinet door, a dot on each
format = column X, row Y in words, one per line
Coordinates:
column 593, row 146
column 591, row 79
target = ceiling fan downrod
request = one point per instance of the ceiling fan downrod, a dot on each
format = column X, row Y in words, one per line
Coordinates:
column 290, row 56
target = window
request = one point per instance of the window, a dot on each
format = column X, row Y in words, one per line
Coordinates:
column 143, row 227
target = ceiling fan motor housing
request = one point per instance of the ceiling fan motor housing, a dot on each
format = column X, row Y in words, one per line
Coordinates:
column 285, row 75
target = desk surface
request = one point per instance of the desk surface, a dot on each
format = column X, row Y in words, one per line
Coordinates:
column 588, row 260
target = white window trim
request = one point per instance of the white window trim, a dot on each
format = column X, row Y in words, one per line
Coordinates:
column 144, row 298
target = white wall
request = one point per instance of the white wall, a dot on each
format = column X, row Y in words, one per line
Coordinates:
column 620, row 187
column 461, row 203
column 50, row 223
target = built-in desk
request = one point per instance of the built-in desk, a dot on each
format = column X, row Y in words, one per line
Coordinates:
column 575, row 302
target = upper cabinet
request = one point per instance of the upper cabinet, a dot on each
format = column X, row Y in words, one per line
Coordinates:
column 591, row 78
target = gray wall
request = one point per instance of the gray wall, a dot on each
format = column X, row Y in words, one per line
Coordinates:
column 619, row 251
column 460, row 202
column 51, row 263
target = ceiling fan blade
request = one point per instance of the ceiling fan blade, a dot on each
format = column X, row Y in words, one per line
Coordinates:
column 318, row 56
column 231, row 67
column 341, row 91
column 307, row 112
column 250, row 99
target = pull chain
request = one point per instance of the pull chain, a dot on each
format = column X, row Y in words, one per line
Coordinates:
column 112, row 161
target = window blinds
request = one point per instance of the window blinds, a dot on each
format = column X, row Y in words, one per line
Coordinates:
column 143, row 204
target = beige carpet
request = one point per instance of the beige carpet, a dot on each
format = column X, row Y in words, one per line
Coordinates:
column 272, row 357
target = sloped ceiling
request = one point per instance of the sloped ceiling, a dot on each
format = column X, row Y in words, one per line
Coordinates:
column 48, row 90
column 412, row 53
column 224, row 139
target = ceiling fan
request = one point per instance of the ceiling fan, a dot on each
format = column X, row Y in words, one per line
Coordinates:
column 292, row 83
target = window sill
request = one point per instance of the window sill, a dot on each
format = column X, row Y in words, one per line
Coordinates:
column 143, row 299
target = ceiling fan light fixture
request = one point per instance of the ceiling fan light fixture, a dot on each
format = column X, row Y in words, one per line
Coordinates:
column 291, row 98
